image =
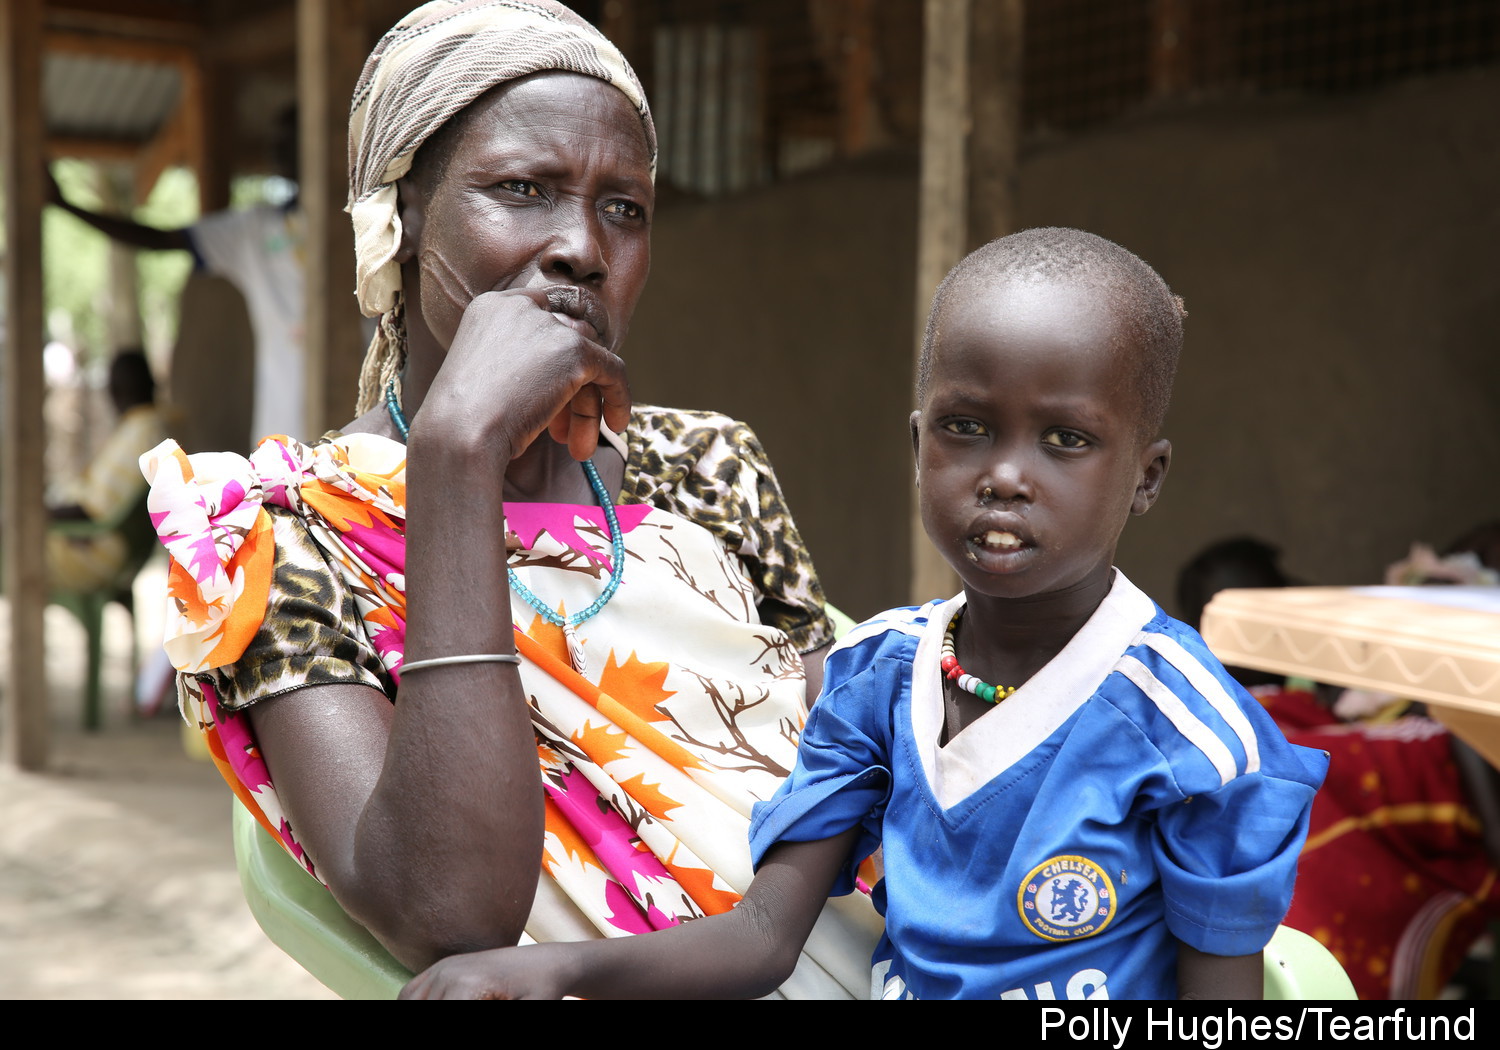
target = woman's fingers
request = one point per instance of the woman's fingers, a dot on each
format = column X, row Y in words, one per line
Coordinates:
column 577, row 425
column 552, row 374
column 615, row 403
column 502, row 973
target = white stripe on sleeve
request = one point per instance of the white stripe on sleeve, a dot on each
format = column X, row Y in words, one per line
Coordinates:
column 1201, row 679
column 1187, row 723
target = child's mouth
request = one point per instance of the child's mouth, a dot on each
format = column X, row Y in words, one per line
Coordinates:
column 996, row 548
column 997, row 540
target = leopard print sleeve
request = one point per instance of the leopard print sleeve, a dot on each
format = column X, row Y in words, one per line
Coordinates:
column 311, row 632
column 713, row 471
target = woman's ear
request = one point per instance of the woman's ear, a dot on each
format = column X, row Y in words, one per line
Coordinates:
column 410, row 202
column 1155, row 459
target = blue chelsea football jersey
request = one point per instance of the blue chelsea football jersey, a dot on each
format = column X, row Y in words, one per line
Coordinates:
column 1129, row 796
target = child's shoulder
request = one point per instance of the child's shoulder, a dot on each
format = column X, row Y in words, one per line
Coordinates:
column 1177, row 656
column 1183, row 699
column 890, row 627
column 885, row 645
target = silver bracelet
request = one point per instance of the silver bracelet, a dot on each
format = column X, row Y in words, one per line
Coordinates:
column 471, row 658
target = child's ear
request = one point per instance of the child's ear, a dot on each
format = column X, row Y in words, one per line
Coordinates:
column 915, row 420
column 1155, row 459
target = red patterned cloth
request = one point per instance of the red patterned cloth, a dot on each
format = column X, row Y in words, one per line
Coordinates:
column 1394, row 878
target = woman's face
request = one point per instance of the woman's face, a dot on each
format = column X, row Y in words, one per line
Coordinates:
column 548, row 186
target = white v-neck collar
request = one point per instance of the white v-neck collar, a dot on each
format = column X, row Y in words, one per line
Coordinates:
column 1001, row 737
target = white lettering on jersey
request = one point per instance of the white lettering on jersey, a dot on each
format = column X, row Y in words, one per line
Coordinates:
column 1085, row 984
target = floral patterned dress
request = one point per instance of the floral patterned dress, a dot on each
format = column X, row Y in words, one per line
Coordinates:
column 288, row 571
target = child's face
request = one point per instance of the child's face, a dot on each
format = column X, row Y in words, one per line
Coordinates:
column 1029, row 452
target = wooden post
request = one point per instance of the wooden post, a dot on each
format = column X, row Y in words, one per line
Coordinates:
column 995, row 51
column 23, row 527
column 971, row 121
column 856, row 68
column 1170, row 73
column 214, row 120
column 942, row 219
column 331, row 47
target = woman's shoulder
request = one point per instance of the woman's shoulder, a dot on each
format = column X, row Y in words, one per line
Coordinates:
column 310, row 631
column 711, row 470
column 669, row 446
column 701, row 464
column 235, row 526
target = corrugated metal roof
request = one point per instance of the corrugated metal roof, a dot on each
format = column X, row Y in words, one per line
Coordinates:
column 90, row 96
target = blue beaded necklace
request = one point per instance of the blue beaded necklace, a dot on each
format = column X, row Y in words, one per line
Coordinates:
column 568, row 624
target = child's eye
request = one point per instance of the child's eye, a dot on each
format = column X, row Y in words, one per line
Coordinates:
column 521, row 187
column 969, row 427
column 1064, row 439
column 625, row 209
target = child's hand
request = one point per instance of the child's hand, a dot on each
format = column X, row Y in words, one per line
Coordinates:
column 533, row 972
column 741, row 953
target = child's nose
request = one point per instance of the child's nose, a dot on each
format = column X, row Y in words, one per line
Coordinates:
column 1006, row 480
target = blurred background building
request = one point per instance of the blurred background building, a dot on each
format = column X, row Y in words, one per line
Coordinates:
column 1315, row 177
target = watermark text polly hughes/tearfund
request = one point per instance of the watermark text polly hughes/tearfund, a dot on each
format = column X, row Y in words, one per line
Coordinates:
column 1119, row 1028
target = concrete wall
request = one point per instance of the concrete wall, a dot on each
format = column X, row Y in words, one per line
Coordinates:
column 791, row 309
column 1340, row 388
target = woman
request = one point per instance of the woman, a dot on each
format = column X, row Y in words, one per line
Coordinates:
column 502, row 159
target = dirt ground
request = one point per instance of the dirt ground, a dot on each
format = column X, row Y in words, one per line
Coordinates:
column 117, row 877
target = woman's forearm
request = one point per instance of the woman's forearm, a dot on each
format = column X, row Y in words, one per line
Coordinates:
column 431, row 833
column 425, row 818
column 459, row 793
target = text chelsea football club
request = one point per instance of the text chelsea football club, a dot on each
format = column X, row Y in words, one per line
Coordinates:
column 1212, row 1031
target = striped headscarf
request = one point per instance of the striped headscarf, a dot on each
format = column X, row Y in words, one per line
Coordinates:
column 433, row 63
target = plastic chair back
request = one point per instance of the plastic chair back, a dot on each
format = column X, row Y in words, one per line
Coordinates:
column 1299, row 967
column 301, row 917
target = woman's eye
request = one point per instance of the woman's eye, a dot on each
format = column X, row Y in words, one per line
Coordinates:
column 521, row 188
column 624, row 209
column 1065, row 439
column 970, row 427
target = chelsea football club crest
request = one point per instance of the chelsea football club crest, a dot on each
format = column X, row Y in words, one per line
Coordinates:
column 1065, row 898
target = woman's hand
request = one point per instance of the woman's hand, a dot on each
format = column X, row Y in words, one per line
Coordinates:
column 526, row 360
column 536, row 972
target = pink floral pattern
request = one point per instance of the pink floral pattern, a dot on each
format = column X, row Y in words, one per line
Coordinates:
column 649, row 770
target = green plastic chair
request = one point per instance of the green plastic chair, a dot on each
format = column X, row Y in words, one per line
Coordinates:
column 1299, row 967
column 134, row 526
column 302, row 918
column 842, row 624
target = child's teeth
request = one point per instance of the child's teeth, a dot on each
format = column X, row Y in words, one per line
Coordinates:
column 1004, row 540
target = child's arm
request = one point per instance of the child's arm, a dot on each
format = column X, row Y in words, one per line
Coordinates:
column 743, row 953
column 1204, row 976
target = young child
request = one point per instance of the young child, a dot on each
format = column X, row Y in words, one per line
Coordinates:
column 1074, row 798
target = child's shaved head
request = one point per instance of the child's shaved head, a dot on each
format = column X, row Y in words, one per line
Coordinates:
column 1053, row 254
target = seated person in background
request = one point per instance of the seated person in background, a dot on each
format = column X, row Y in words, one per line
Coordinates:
column 109, row 486
column 1395, row 878
column 1120, row 819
